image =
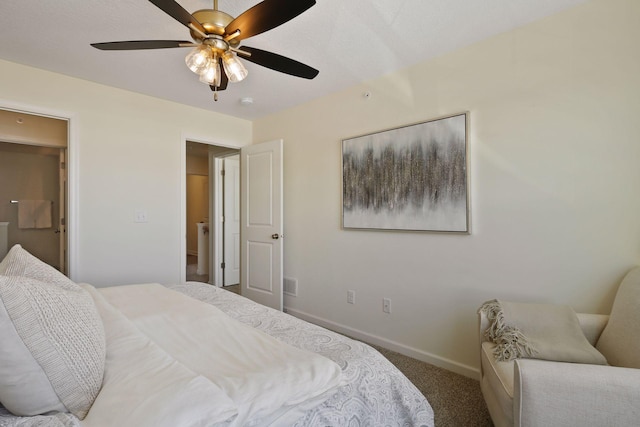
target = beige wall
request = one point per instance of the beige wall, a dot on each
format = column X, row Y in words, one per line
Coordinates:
column 554, row 153
column 129, row 153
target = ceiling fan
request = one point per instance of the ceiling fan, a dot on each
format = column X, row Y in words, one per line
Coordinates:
column 216, row 40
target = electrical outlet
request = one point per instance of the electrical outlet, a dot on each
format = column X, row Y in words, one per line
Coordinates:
column 386, row 305
column 140, row 215
column 351, row 297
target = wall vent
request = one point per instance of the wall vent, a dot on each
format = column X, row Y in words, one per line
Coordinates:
column 290, row 286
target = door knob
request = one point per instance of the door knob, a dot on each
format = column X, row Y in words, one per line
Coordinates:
column 275, row 236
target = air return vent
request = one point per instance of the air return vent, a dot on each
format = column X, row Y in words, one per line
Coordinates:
column 290, row 286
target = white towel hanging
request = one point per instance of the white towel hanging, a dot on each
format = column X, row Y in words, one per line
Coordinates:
column 34, row 213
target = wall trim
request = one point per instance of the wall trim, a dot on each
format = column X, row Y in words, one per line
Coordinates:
column 406, row 350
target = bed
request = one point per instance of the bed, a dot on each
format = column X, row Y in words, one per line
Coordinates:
column 196, row 355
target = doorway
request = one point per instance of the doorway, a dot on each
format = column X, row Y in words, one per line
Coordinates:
column 33, row 197
column 212, row 200
column 261, row 219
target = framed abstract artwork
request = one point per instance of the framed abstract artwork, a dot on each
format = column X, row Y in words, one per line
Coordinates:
column 412, row 178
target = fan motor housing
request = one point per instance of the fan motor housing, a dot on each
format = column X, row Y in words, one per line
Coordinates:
column 214, row 21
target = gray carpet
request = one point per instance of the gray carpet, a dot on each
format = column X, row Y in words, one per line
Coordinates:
column 456, row 400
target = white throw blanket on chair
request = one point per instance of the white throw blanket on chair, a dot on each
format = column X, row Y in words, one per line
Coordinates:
column 538, row 331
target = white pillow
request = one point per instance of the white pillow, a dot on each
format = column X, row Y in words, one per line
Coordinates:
column 620, row 339
column 53, row 343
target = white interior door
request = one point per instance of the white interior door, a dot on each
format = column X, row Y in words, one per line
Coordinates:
column 62, row 224
column 261, row 223
column 231, row 220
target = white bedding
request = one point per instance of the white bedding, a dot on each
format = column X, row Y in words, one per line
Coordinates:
column 376, row 392
column 367, row 390
column 261, row 376
column 144, row 386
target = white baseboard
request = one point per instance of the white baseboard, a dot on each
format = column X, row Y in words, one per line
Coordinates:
column 450, row 365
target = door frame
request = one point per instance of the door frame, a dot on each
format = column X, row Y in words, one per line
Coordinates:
column 72, row 216
column 213, row 252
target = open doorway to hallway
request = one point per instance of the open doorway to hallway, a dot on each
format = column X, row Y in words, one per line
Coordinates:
column 212, row 206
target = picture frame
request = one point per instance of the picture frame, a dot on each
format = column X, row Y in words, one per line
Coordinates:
column 410, row 178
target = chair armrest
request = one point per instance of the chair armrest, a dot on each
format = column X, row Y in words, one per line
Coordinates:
column 592, row 325
column 572, row 394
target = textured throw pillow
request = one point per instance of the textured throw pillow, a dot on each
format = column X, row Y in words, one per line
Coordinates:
column 53, row 348
column 620, row 339
column 19, row 262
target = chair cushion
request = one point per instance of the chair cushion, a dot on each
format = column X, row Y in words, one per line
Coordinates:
column 620, row 340
column 53, row 343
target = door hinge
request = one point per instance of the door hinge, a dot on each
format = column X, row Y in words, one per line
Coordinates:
column 222, row 172
column 223, row 265
column 63, row 165
column 62, row 221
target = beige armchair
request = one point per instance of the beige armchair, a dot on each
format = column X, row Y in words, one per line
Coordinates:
column 533, row 392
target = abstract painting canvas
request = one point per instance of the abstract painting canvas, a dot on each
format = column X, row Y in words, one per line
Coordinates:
column 410, row 178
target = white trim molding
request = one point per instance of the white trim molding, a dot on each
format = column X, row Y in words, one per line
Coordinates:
column 406, row 350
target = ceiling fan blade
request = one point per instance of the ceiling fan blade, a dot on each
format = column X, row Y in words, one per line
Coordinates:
column 142, row 44
column 178, row 13
column 224, row 80
column 278, row 62
column 266, row 15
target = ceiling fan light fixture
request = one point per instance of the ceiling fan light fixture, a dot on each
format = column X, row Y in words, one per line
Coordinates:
column 198, row 59
column 217, row 37
column 211, row 73
column 236, row 72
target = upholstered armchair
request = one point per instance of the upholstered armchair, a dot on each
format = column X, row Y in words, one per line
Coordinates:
column 530, row 391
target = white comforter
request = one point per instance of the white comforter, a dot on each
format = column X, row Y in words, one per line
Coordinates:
column 375, row 393
column 162, row 370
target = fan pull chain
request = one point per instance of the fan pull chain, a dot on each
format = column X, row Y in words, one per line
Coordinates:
column 215, row 95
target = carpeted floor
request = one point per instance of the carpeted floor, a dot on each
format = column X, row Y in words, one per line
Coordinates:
column 456, row 400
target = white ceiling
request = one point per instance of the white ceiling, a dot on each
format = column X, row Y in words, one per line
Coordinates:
column 349, row 41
